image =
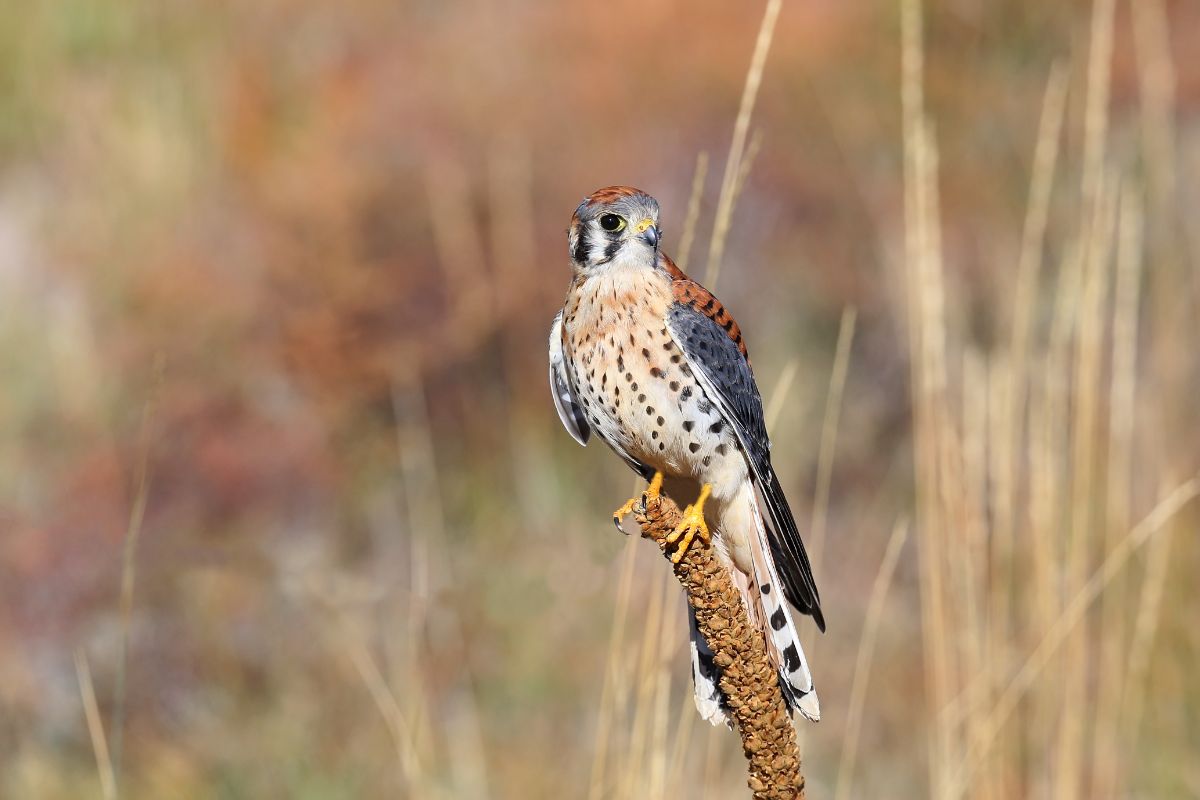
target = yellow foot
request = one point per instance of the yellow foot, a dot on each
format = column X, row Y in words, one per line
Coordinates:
column 691, row 526
column 651, row 491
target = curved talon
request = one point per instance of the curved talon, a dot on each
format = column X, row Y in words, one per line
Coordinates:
column 619, row 514
column 691, row 526
column 652, row 490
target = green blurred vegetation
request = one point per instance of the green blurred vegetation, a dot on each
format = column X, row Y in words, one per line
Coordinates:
column 300, row 260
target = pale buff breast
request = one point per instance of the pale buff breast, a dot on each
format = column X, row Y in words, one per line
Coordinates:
column 636, row 389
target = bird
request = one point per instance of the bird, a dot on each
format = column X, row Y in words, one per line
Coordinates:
column 654, row 365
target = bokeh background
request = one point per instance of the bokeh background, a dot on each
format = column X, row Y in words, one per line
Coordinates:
column 286, row 511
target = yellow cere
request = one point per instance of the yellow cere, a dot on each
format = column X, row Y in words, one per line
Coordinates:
column 641, row 226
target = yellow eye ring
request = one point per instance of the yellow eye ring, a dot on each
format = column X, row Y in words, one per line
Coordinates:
column 612, row 222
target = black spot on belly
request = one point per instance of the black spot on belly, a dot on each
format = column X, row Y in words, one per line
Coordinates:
column 641, row 398
column 653, row 434
column 704, row 406
column 716, row 426
column 655, row 372
column 694, row 446
column 707, row 460
column 660, row 421
column 688, row 425
column 674, row 386
column 675, row 358
column 645, row 353
column 686, row 394
column 721, row 449
column 650, row 411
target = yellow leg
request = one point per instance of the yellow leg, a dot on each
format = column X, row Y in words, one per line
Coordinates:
column 651, row 491
column 691, row 526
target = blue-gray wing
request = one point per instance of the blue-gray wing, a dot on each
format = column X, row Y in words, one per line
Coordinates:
column 718, row 361
column 569, row 410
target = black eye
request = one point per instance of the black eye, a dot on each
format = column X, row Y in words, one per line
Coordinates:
column 611, row 222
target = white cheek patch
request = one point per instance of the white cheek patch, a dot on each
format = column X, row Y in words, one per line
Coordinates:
column 599, row 243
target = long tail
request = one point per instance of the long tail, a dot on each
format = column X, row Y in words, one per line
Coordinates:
column 768, row 611
column 706, row 676
column 782, row 639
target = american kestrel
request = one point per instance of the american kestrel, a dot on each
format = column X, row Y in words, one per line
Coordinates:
column 652, row 362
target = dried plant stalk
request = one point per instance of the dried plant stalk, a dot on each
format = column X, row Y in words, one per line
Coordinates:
column 748, row 679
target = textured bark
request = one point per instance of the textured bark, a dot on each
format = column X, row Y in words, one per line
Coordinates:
column 747, row 677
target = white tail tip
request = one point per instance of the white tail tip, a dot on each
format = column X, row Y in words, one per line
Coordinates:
column 810, row 707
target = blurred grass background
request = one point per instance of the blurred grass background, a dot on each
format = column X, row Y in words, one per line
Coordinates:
column 285, row 510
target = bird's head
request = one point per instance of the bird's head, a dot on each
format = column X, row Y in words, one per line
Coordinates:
column 615, row 225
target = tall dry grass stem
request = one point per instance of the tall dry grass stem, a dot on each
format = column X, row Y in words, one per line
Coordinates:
column 95, row 725
column 684, row 254
column 863, row 660
column 633, row 771
column 684, row 727
column 1107, row 734
column 829, row 434
column 746, row 166
column 133, row 534
column 926, row 324
column 608, row 705
column 1098, row 203
column 401, row 731
column 737, row 146
column 783, row 385
column 1133, row 694
column 1011, row 470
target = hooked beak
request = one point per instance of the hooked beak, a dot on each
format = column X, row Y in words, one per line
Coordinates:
column 648, row 232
